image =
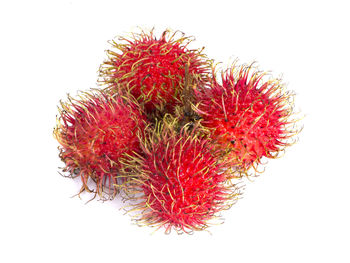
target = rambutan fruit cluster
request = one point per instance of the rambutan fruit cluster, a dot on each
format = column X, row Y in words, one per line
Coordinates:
column 171, row 134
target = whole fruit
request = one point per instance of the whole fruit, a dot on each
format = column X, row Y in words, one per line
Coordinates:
column 154, row 68
column 178, row 183
column 250, row 117
column 96, row 132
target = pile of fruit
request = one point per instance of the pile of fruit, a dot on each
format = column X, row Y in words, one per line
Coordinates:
column 169, row 134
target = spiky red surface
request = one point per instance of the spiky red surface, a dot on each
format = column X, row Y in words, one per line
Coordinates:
column 153, row 68
column 250, row 117
column 181, row 182
column 95, row 132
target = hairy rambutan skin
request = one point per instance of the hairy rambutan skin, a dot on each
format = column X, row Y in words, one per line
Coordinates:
column 250, row 117
column 95, row 132
column 154, row 69
column 178, row 183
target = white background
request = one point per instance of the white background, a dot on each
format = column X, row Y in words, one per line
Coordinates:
column 298, row 211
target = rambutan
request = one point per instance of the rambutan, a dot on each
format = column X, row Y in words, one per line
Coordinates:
column 178, row 183
column 95, row 132
column 250, row 117
column 176, row 137
column 154, row 69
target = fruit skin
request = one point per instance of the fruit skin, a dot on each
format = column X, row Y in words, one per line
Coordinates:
column 154, row 69
column 95, row 133
column 178, row 183
column 250, row 117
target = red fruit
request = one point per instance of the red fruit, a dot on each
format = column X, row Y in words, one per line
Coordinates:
column 179, row 183
column 154, row 69
column 95, row 133
column 250, row 117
